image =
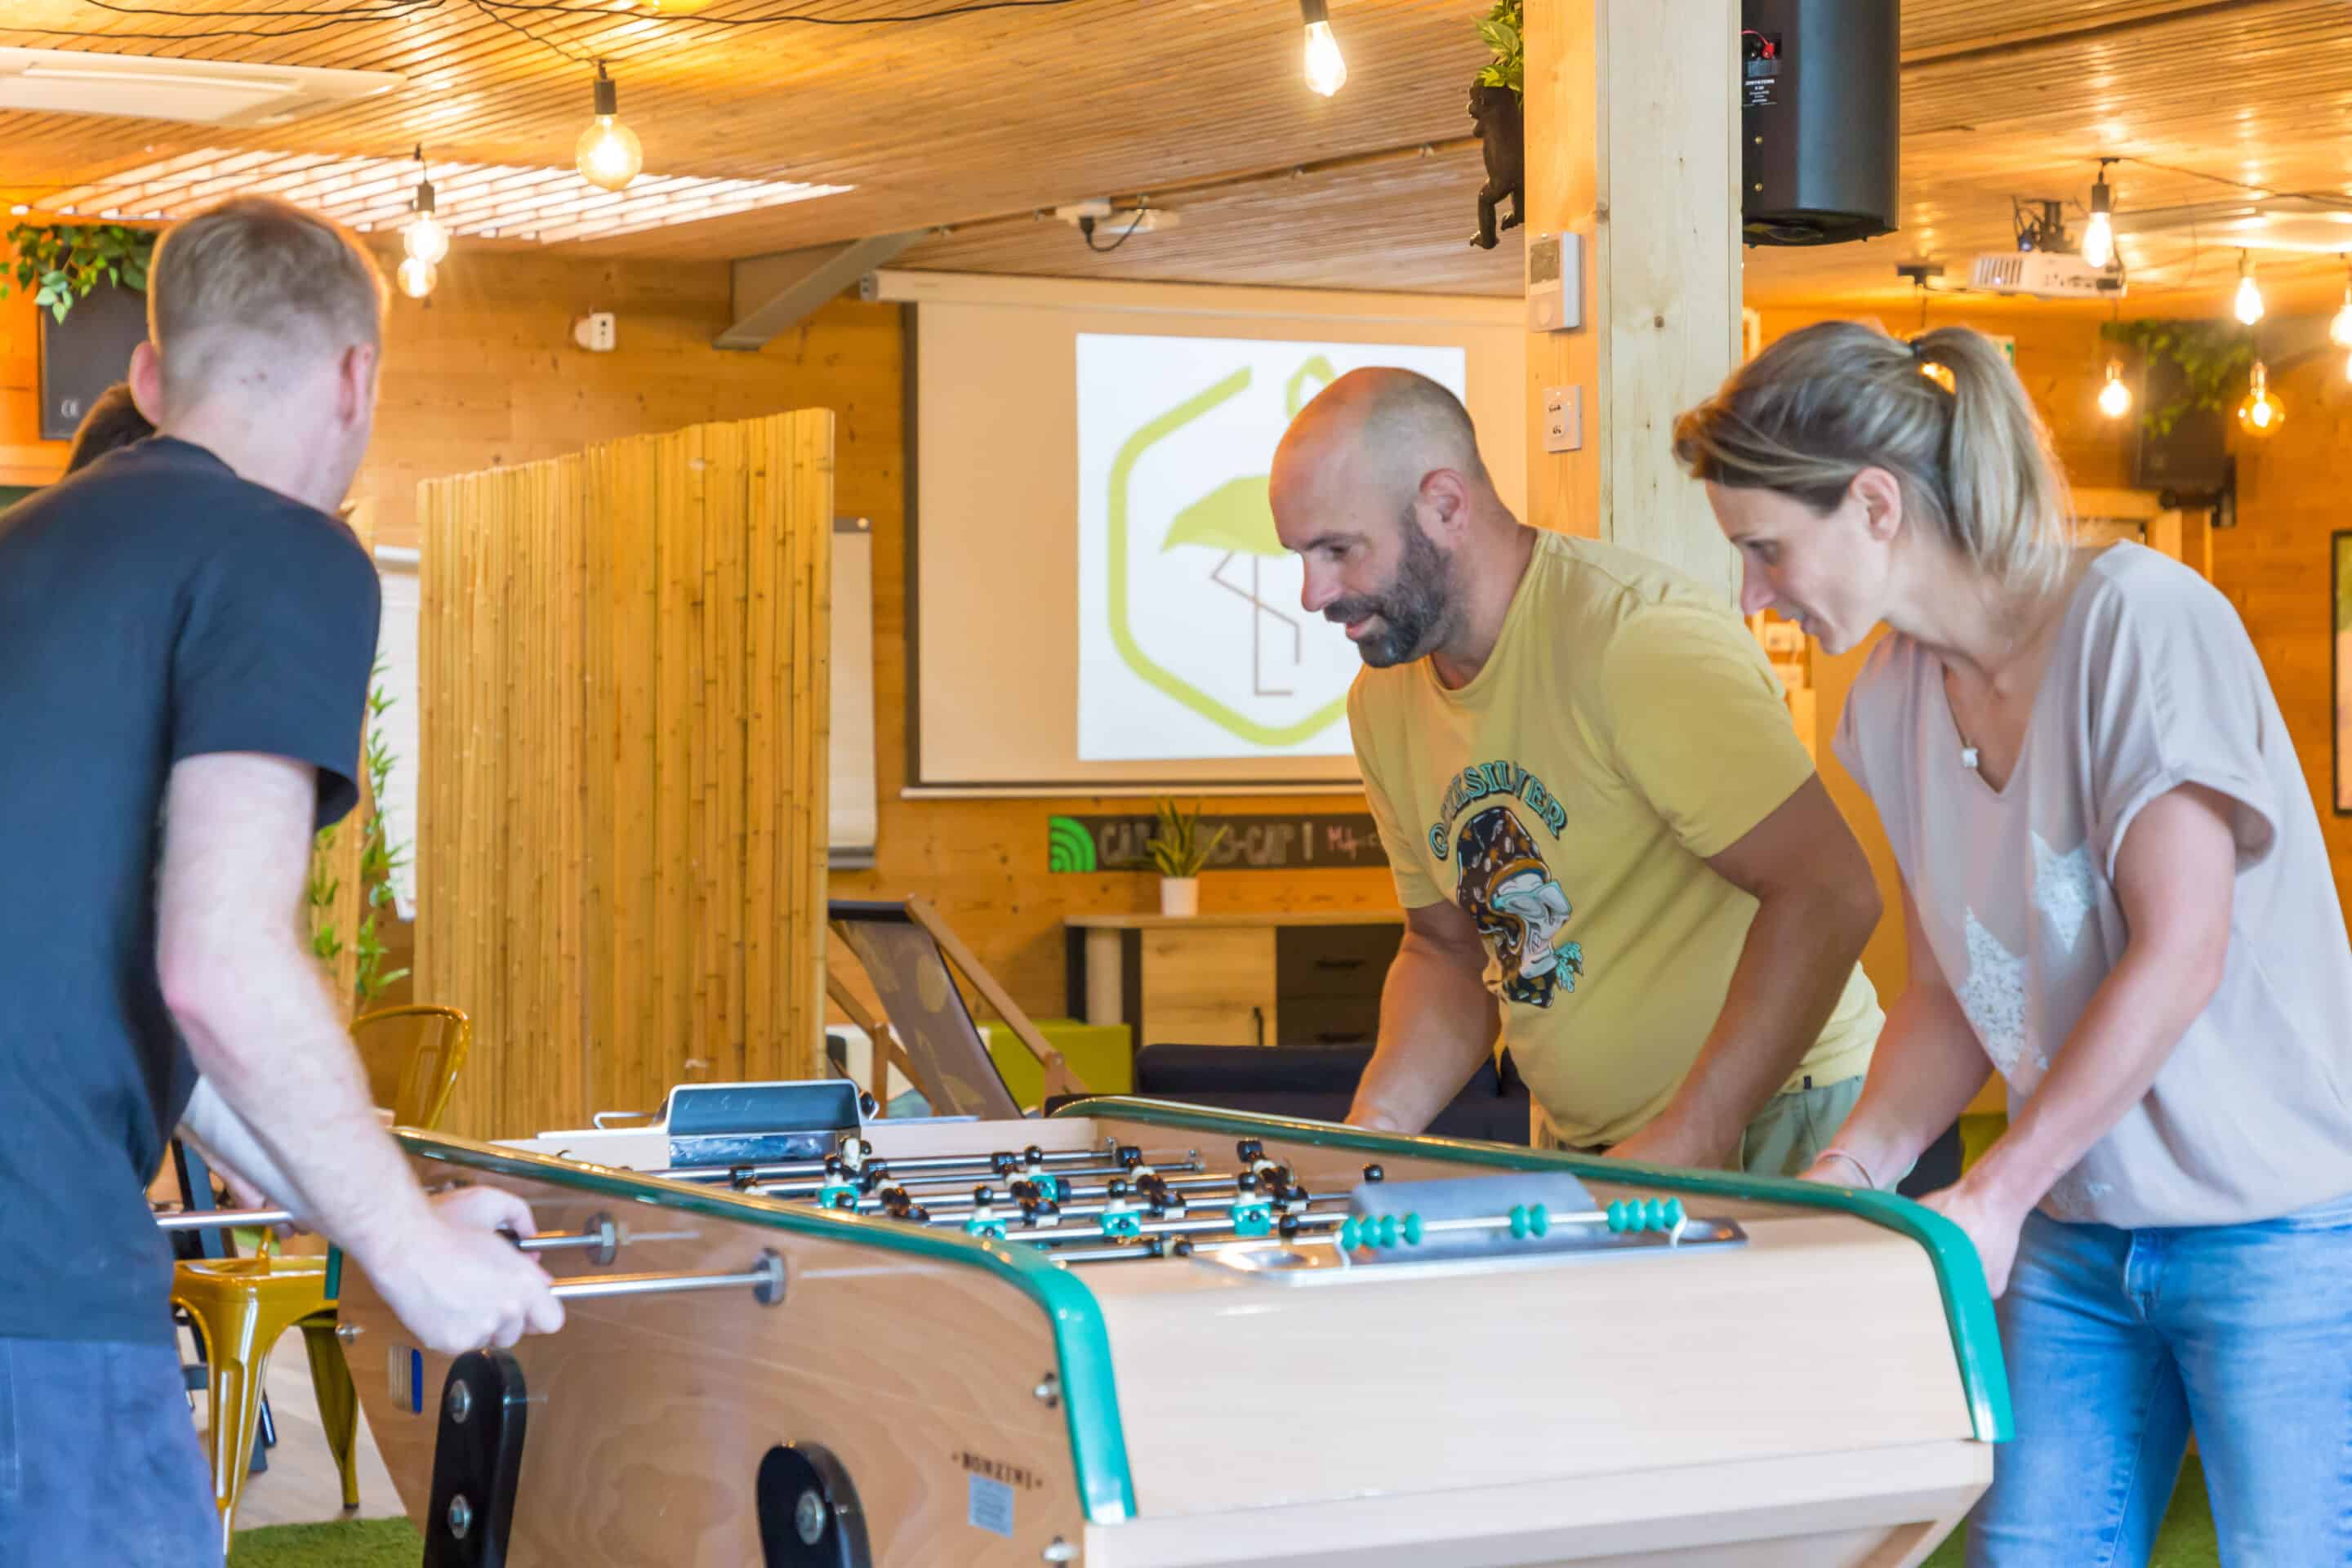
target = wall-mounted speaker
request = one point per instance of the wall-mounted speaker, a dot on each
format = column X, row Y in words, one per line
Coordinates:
column 1821, row 96
column 87, row 353
column 2190, row 461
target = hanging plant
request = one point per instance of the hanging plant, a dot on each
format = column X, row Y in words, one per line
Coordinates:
column 59, row 264
column 1500, row 31
column 380, row 857
column 2212, row 357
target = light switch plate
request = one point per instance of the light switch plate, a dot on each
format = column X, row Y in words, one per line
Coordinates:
column 1563, row 419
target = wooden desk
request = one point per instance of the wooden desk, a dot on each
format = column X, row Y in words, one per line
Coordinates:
column 1233, row 979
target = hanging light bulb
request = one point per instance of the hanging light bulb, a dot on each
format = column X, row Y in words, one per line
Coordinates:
column 608, row 154
column 2114, row 397
column 1327, row 73
column 2250, row 295
column 417, row 277
column 424, row 237
column 2099, row 233
column 2339, row 331
column 2261, row 413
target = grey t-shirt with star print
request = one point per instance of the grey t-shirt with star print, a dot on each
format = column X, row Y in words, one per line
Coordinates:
column 2151, row 684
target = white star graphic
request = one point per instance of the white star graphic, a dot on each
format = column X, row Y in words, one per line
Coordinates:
column 2062, row 889
column 1993, row 997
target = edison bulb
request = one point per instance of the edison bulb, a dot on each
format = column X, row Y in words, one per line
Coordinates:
column 425, row 239
column 2248, row 305
column 2261, row 413
column 2114, row 397
column 2099, row 242
column 416, row 277
column 608, row 154
column 1327, row 72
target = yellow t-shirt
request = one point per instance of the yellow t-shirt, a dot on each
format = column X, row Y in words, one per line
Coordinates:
column 1626, row 728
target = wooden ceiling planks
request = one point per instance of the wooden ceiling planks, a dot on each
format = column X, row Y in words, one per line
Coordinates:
column 973, row 122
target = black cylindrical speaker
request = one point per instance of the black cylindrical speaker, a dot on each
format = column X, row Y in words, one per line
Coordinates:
column 1821, row 92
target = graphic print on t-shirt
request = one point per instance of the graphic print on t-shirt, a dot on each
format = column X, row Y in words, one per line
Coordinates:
column 1504, row 884
column 1993, row 997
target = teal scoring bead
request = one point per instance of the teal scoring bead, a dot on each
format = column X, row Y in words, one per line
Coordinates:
column 1388, row 1230
column 1539, row 1219
column 1617, row 1214
column 1412, row 1230
column 1518, row 1222
column 1674, row 1213
column 1350, row 1234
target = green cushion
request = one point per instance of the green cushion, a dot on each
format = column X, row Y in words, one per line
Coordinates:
column 1102, row 1055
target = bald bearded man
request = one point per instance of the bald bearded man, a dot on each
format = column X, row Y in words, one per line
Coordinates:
column 1599, row 816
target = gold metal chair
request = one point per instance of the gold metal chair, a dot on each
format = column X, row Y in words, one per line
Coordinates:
column 241, row 1305
column 413, row 1057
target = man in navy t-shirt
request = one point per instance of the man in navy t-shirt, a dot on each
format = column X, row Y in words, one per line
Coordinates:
column 185, row 638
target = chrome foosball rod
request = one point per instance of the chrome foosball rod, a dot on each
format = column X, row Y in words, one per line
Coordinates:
column 1065, row 1193
column 884, row 1173
column 855, row 1154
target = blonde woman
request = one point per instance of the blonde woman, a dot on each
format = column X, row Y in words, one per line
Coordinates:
column 2116, row 896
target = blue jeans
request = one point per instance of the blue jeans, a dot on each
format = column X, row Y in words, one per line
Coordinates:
column 98, row 1459
column 2120, row 1342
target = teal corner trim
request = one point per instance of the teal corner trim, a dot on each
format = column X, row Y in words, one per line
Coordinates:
column 334, row 1283
column 1082, row 1344
column 1967, row 1305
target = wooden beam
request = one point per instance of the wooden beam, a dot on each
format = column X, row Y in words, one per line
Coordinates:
column 772, row 293
column 1632, row 152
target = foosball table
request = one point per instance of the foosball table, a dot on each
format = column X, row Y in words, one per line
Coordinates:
column 1137, row 1336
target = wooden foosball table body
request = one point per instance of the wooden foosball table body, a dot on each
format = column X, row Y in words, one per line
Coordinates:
column 1796, row 1376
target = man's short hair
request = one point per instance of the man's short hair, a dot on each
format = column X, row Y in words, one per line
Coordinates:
column 256, row 273
column 113, row 422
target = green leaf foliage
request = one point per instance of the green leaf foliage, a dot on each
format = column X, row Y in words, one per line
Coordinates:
column 59, row 264
column 1177, row 848
column 2212, row 357
column 1501, row 33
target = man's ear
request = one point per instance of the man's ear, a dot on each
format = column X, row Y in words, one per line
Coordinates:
column 146, row 379
column 355, row 384
column 1446, row 501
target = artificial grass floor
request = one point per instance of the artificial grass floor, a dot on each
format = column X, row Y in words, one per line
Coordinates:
column 2185, row 1541
column 340, row 1543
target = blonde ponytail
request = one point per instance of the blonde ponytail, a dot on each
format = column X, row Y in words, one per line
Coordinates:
column 1966, row 445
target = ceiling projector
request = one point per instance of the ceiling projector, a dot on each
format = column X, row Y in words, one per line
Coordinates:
column 2043, row 274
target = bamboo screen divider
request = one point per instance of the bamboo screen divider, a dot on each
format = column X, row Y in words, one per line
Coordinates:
column 335, row 856
column 621, row 861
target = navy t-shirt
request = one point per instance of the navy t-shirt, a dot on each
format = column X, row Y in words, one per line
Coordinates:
column 153, row 606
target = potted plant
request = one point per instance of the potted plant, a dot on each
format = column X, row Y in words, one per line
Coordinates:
column 1178, row 851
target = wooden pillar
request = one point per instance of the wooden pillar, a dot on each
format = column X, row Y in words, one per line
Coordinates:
column 1633, row 128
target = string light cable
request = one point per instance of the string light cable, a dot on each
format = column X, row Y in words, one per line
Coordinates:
column 361, row 12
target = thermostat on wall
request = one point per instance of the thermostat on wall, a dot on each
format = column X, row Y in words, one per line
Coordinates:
column 1555, row 282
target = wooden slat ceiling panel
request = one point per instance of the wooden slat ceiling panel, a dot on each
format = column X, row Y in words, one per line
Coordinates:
column 972, row 122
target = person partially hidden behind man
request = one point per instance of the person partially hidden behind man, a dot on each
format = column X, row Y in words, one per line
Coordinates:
column 185, row 635
column 1599, row 815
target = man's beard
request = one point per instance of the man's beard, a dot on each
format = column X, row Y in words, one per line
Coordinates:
column 1414, row 608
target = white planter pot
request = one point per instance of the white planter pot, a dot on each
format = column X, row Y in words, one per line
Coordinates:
column 1179, row 896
